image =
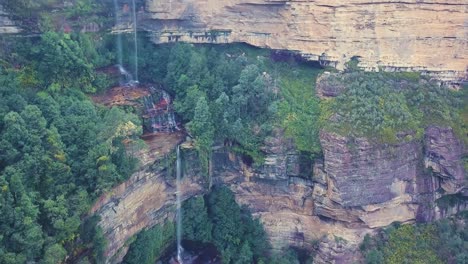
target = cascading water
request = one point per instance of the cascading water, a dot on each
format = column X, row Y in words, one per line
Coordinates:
column 128, row 78
column 171, row 123
column 135, row 41
column 159, row 113
column 119, row 37
column 179, row 211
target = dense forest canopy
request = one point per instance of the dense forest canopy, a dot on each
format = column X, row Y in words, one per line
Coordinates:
column 59, row 151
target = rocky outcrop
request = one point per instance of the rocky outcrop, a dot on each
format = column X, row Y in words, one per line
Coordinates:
column 390, row 35
column 368, row 185
column 146, row 199
column 443, row 160
column 358, row 187
column 329, row 85
column 282, row 160
column 364, row 183
column 326, row 206
column 6, row 25
column 443, row 155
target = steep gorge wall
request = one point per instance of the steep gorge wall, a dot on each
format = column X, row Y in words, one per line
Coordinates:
column 429, row 35
column 359, row 186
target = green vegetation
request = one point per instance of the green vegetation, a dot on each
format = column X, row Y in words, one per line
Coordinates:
column 299, row 111
column 444, row 241
column 236, row 97
column 59, row 151
column 214, row 219
column 92, row 237
column 242, row 88
column 196, row 222
column 36, row 15
column 218, row 219
column 462, row 128
column 150, row 244
column 202, row 128
column 379, row 105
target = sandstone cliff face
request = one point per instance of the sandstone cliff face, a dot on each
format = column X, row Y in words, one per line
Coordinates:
column 443, row 154
column 327, row 206
column 146, row 199
column 408, row 35
column 357, row 187
column 367, row 184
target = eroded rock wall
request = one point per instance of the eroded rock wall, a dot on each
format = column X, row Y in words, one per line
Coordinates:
column 427, row 35
column 359, row 186
column 6, row 25
column 365, row 183
column 146, row 199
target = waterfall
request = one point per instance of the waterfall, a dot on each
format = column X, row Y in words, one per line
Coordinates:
column 119, row 37
column 167, row 98
column 149, row 107
column 126, row 74
column 171, row 123
column 159, row 113
column 179, row 211
column 135, row 40
column 128, row 78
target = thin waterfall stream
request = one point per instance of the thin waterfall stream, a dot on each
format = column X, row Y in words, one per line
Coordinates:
column 135, row 41
column 159, row 114
column 128, row 79
column 119, row 36
column 179, row 211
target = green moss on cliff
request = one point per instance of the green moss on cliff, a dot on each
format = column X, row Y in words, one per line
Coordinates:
column 444, row 241
column 393, row 107
column 299, row 109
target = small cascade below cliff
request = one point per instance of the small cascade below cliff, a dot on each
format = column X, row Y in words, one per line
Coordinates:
column 159, row 115
column 128, row 78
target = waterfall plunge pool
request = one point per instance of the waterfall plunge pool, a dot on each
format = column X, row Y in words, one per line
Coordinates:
column 194, row 253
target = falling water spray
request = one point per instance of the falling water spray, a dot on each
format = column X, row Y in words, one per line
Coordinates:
column 179, row 211
column 135, row 41
column 119, row 36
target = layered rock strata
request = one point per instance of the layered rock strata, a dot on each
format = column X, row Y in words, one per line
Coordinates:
column 364, row 183
column 146, row 199
column 327, row 205
column 444, row 156
column 6, row 25
column 357, row 187
column 390, row 35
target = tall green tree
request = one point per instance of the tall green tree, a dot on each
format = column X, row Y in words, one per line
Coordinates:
column 196, row 224
column 202, row 129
